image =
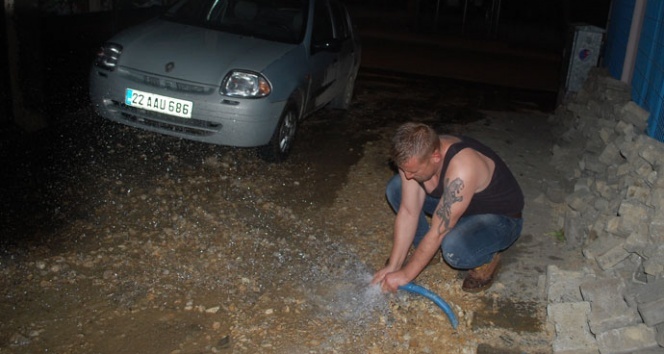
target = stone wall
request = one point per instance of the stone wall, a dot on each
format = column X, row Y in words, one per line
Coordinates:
column 613, row 192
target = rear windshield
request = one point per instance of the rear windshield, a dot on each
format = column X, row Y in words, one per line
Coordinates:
column 276, row 20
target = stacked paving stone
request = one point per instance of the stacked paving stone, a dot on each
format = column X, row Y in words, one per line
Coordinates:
column 613, row 192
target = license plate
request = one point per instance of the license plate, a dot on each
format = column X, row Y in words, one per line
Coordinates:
column 158, row 103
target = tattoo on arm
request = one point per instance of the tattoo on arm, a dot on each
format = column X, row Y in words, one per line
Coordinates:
column 450, row 196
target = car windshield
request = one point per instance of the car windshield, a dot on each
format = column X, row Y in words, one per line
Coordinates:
column 276, row 20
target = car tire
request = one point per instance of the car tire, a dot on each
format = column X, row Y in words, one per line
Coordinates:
column 280, row 144
column 342, row 101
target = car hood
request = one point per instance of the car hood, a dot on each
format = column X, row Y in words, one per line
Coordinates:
column 197, row 54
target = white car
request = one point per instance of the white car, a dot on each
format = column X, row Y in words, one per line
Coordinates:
column 230, row 72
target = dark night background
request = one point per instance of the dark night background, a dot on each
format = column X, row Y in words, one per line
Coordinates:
column 56, row 49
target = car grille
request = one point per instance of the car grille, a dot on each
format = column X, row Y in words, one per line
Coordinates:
column 176, row 85
column 188, row 126
column 168, row 83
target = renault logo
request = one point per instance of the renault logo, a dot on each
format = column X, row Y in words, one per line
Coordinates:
column 169, row 67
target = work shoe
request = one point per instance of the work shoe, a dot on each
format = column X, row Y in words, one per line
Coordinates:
column 481, row 278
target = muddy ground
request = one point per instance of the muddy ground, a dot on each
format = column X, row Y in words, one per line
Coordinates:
column 116, row 240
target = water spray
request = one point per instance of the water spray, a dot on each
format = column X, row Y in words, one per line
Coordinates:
column 417, row 289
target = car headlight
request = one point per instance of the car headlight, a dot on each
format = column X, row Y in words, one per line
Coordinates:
column 108, row 56
column 245, row 84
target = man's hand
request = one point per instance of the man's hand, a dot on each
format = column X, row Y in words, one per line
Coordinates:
column 380, row 275
column 390, row 280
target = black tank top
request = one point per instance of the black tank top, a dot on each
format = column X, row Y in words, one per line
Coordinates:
column 502, row 196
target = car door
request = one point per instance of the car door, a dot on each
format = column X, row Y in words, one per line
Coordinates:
column 346, row 55
column 324, row 56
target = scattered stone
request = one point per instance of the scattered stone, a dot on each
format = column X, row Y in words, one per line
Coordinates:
column 563, row 285
column 625, row 168
column 627, row 340
column 570, row 320
column 19, row 340
column 214, row 309
column 609, row 309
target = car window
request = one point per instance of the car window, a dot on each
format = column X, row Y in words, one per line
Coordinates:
column 277, row 20
column 341, row 27
column 322, row 30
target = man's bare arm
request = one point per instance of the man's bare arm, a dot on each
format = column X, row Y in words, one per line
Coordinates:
column 451, row 195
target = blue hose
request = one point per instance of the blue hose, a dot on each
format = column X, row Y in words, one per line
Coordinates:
column 417, row 289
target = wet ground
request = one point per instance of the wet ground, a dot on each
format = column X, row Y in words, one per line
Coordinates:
column 117, row 240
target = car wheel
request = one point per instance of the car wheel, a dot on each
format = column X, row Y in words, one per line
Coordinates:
column 282, row 139
column 342, row 101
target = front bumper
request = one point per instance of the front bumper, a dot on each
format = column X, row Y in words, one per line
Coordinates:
column 215, row 119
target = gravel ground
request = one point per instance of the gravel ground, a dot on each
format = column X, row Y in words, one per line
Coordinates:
column 116, row 240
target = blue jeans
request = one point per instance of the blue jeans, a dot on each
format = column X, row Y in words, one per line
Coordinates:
column 472, row 241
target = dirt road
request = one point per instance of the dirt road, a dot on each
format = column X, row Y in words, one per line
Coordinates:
column 121, row 241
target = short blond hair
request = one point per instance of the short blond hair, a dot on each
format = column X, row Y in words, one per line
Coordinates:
column 413, row 140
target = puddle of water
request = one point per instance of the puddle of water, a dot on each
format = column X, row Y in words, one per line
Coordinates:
column 517, row 316
column 155, row 331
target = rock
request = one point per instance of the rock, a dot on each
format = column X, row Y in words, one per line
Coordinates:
column 214, row 309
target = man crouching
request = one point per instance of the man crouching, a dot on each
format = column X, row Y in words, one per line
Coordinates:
column 473, row 199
